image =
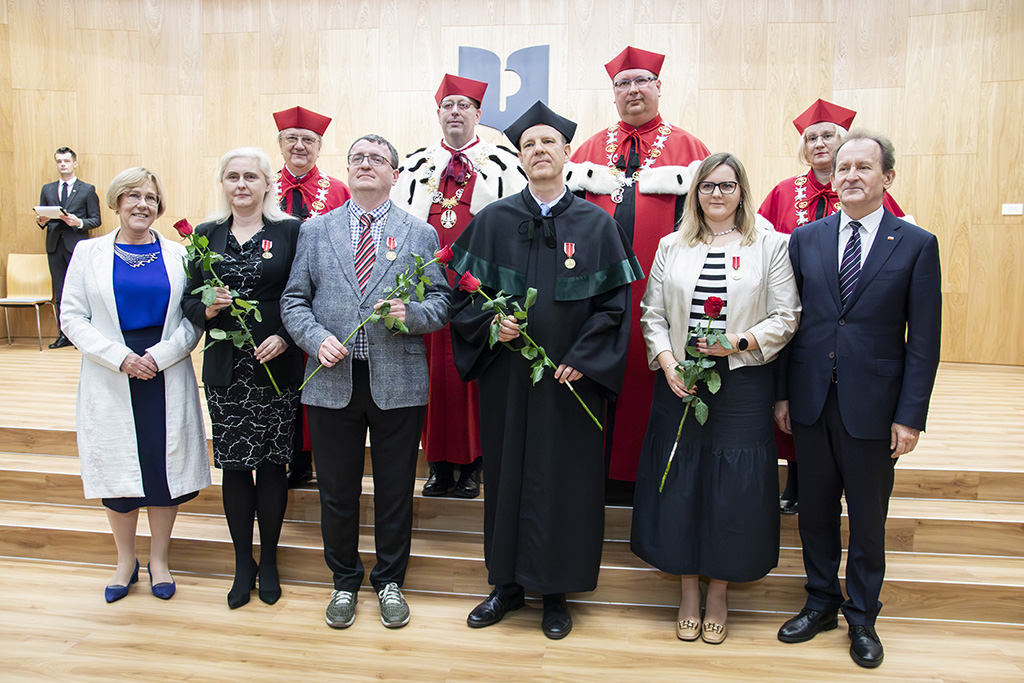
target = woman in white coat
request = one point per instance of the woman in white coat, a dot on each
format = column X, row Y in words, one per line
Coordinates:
column 141, row 441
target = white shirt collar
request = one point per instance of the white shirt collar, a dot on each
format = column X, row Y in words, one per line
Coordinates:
column 870, row 222
column 551, row 204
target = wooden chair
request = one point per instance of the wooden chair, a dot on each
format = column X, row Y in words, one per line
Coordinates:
column 28, row 284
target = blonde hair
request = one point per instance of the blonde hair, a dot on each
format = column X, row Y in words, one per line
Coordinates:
column 271, row 207
column 130, row 178
column 693, row 228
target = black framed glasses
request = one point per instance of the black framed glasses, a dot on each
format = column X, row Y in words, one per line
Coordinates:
column 708, row 187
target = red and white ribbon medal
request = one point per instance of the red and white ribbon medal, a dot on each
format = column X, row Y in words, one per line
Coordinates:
column 392, row 244
column 265, row 245
column 569, row 248
column 736, row 268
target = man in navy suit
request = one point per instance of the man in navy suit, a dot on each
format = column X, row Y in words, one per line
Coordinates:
column 860, row 376
column 82, row 207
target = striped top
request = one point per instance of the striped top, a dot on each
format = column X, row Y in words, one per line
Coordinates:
column 711, row 282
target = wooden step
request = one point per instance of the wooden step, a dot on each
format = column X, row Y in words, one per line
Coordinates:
column 915, row 525
column 918, row 585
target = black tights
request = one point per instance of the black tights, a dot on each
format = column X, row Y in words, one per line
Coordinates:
column 264, row 500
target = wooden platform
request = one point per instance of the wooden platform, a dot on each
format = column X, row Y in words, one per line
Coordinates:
column 954, row 591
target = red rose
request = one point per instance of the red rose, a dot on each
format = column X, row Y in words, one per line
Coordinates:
column 183, row 227
column 468, row 283
column 444, row 255
column 713, row 307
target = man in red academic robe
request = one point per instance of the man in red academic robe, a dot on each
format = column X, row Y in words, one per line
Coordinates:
column 639, row 171
column 305, row 192
column 446, row 184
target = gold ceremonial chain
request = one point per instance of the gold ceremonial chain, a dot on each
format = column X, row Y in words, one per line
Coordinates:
column 611, row 146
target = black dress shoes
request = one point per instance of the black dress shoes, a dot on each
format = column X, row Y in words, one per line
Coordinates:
column 468, row 485
column 557, row 621
column 298, row 478
column 501, row 601
column 807, row 624
column 60, row 342
column 865, row 647
column 788, row 507
column 439, row 483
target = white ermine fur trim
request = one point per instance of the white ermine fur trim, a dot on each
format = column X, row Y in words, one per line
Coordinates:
column 589, row 177
column 668, row 179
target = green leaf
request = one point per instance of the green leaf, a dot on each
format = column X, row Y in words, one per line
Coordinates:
column 421, row 291
column 202, row 241
column 706, row 362
column 693, row 352
column 493, row 334
column 713, row 380
column 516, row 307
column 501, row 301
column 389, row 322
column 209, row 295
column 400, row 326
column 690, row 375
column 531, row 297
column 529, row 353
column 257, row 315
column 520, row 315
column 426, row 280
column 217, row 333
column 522, row 325
column 374, row 317
column 537, row 371
column 701, row 411
column 690, row 398
column 487, row 306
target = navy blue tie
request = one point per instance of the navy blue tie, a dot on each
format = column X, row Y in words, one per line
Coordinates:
column 849, row 269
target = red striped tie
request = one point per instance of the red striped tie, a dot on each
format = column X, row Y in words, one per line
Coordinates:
column 365, row 253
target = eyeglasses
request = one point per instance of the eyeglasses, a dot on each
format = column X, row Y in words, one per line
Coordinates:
column 374, row 159
column 639, row 82
column 463, row 106
column 138, row 198
column 824, row 137
column 307, row 140
column 708, row 187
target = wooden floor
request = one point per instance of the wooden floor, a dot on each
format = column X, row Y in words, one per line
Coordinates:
column 954, row 595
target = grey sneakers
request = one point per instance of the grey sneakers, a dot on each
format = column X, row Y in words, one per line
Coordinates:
column 341, row 611
column 394, row 610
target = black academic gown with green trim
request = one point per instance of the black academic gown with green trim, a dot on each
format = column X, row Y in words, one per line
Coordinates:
column 543, row 462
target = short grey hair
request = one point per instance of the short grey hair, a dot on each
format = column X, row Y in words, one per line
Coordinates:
column 885, row 146
column 271, row 202
column 130, row 178
column 373, row 137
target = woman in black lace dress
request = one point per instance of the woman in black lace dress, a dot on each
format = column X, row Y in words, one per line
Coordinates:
column 252, row 423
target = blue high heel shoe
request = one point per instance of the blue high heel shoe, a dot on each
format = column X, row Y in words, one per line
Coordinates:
column 164, row 591
column 114, row 592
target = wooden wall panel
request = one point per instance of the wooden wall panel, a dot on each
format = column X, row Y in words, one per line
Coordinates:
column 793, row 81
column 107, row 15
column 44, row 31
column 1000, row 176
column 99, row 170
column 732, row 47
column 171, row 47
column 109, row 97
column 944, row 58
column 172, row 84
column 871, row 41
column 996, row 317
column 237, row 16
column 289, row 46
column 1004, row 26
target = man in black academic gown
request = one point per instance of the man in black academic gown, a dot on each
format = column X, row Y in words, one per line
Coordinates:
column 543, row 464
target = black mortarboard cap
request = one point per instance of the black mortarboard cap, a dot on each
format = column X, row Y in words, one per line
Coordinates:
column 536, row 115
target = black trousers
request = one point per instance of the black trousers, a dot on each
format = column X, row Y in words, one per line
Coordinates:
column 58, row 262
column 339, row 438
column 831, row 462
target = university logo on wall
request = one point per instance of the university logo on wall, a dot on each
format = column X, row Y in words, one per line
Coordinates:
column 530, row 64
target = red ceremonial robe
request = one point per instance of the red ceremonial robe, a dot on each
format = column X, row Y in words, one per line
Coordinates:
column 451, row 429
column 663, row 178
column 794, row 202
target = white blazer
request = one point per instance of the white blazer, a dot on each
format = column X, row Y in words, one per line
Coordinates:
column 762, row 298
column 107, row 447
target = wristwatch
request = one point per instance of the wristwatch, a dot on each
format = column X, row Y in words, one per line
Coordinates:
column 743, row 343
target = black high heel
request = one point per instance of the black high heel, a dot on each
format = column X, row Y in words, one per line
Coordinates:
column 270, row 584
column 239, row 593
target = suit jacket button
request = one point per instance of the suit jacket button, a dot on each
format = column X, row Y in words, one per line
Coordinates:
column 842, row 321
column 831, row 354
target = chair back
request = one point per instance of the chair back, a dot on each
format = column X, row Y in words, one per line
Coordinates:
column 28, row 275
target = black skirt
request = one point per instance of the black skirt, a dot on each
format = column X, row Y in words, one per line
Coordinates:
column 149, row 410
column 718, row 515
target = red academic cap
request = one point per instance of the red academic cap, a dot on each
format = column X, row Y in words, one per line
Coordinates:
column 299, row 117
column 457, row 85
column 635, row 58
column 822, row 110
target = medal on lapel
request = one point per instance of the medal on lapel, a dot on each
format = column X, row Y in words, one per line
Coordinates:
column 265, row 245
column 736, row 268
column 392, row 243
column 569, row 248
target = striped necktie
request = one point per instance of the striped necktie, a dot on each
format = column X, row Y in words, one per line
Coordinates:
column 365, row 253
column 849, row 270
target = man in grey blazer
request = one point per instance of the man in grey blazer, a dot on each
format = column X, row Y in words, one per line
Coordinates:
column 346, row 260
column 82, row 214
